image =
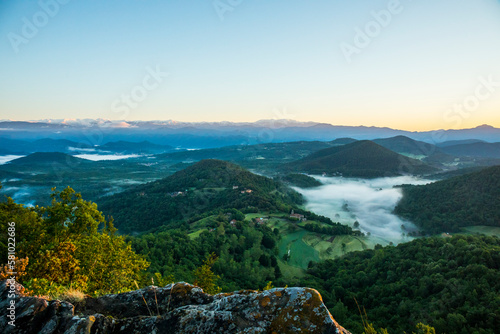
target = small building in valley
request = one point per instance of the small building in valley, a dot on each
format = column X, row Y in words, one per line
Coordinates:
column 298, row 216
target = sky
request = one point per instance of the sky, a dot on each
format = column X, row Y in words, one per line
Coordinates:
column 411, row 65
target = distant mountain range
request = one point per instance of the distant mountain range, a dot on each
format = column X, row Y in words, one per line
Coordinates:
column 217, row 134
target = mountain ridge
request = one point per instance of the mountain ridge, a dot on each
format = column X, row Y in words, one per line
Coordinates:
column 229, row 133
column 359, row 159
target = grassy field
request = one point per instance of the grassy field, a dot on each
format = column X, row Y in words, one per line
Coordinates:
column 300, row 254
column 289, row 271
column 250, row 216
column 196, row 234
column 306, row 246
column 486, row 230
column 330, row 247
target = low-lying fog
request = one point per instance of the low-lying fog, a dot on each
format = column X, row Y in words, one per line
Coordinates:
column 100, row 157
column 21, row 195
column 6, row 158
column 370, row 202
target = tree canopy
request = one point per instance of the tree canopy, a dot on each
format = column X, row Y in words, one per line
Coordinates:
column 69, row 243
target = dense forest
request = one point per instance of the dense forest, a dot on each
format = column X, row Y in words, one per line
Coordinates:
column 247, row 254
column 403, row 144
column 452, row 284
column 447, row 205
column 359, row 159
column 206, row 186
column 300, row 180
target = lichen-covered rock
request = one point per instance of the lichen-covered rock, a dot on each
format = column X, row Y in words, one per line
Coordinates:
column 176, row 308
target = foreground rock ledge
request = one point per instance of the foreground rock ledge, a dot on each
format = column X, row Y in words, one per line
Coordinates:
column 177, row 308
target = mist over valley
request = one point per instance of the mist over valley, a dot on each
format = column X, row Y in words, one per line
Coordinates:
column 370, row 202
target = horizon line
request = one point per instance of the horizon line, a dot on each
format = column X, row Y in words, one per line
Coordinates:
column 76, row 121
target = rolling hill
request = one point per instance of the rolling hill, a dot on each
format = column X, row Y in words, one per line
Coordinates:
column 359, row 159
column 405, row 145
column 42, row 145
column 445, row 206
column 458, row 142
column 199, row 189
column 50, row 158
column 342, row 141
column 272, row 151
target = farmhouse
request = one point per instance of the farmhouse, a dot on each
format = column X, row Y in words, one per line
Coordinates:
column 298, row 216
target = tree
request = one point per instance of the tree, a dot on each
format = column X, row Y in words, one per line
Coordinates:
column 69, row 243
column 205, row 277
column 425, row 329
column 340, row 312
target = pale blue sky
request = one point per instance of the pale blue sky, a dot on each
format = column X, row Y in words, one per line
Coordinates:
column 265, row 59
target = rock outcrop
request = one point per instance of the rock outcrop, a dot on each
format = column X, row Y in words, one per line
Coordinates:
column 176, row 308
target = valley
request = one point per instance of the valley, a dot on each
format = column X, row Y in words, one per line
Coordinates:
column 273, row 213
column 230, row 166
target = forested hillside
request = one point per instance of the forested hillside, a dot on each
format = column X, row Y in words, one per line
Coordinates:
column 452, row 284
column 50, row 158
column 359, row 159
column 480, row 149
column 301, row 180
column 247, row 254
column 447, row 205
column 405, row 145
column 204, row 187
column 269, row 151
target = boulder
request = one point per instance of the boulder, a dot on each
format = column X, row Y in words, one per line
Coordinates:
column 175, row 308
